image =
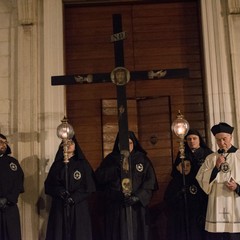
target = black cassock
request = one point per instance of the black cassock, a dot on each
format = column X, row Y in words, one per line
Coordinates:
column 11, row 185
column 144, row 182
column 81, row 185
column 175, row 212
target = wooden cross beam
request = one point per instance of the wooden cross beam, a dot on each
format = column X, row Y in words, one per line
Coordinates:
column 105, row 77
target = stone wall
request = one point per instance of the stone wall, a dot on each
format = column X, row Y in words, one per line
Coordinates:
column 31, row 109
column 5, row 69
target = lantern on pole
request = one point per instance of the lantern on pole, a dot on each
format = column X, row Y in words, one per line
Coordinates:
column 181, row 127
column 65, row 132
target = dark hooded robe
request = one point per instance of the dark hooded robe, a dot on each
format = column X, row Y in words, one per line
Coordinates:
column 11, row 185
column 197, row 157
column 72, row 217
column 144, row 182
column 176, row 213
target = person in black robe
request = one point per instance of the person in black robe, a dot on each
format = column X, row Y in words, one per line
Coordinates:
column 144, row 182
column 69, row 217
column 196, row 149
column 175, row 201
column 11, row 185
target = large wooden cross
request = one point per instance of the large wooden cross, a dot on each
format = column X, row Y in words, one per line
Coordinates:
column 120, row 76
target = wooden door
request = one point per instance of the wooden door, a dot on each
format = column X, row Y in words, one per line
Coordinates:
column 159, row 36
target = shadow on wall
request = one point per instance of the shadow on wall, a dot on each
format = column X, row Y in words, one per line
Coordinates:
column 34, row 200
column 43, row 206
column 30, row 196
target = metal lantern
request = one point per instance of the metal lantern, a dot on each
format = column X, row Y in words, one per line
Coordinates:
column 65, row 132
column 180, row 126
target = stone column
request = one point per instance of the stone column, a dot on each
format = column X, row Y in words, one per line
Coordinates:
column 218, row 72
column 53, row 104
column 25, row 107
column 36, row 107
column 5, row 102
column 234, row 34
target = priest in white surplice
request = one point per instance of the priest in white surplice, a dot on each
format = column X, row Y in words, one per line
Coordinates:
column 219, row 177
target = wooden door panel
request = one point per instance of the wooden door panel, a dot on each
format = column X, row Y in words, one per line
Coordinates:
column 152, row 124
column 110, row 122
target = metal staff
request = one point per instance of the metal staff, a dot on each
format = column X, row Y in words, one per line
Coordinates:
column 66, row 205
column 65, row 132
column 182, row 156
column 180, row 127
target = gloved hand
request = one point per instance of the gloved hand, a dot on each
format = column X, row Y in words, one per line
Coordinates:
column 3, row 203
column 64, row 194
column 130, row 200
column 69, row 202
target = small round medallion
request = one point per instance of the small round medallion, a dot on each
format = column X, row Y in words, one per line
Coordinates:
column 193, row 189
column 77, row 175
column 139, row 167
column 225, row 167
column 120, row 76
column 13, row 166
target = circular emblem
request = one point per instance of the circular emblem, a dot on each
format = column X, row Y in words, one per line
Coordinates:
column 193, row 189
column 120, row 76
column 77, row 175
column 139, row 167
column 13, row 166
column 225, row 167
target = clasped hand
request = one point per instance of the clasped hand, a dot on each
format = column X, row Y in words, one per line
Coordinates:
column 3, row 203
column 232, row 185
column 130, row 200
column 220, row 160
column 66, row 197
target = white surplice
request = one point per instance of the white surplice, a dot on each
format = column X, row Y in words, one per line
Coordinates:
column 223, row 211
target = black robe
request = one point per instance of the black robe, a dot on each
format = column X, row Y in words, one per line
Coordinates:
column 11, row 185
column 81, row 185
column 144, row 182
column 176, row 212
